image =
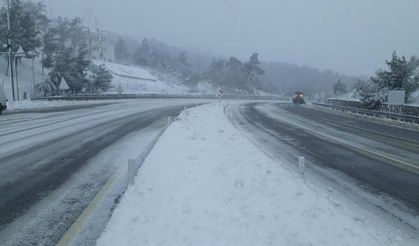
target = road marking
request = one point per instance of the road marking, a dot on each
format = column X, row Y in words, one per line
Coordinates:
column 360, row 149
column 78, row 224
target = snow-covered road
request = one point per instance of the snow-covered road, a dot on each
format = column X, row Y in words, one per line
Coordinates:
column 380, row 156
column 219, row 176
column 219, row 187
column 371, row 163
column 53, row 163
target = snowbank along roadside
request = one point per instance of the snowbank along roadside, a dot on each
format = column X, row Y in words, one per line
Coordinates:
column 34, row 105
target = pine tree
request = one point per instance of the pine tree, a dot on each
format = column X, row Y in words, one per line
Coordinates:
column 340, row 88
column 121, row 50
column 28, row 22
column 253, row 69
column 120, row 90
column 142, row 56
column 234, row 74
column 101, row 80
column 66, row 54
column 216, row 72
column 400, row 76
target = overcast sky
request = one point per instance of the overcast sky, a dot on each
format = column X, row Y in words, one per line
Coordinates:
column 352, row 36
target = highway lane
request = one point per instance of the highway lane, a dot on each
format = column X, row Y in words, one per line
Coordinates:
column 41, row 152
column 380, row 158
column 395, row 136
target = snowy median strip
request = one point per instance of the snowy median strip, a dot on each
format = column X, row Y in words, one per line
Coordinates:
column 72, row 236
column 204, row 183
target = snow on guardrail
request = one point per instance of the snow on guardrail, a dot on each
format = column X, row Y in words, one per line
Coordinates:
column 375, row 113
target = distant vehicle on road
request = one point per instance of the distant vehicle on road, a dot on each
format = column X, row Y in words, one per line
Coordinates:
column 2, row 99
column 298, row 98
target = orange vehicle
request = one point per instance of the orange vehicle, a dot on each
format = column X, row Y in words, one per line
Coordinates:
column 298, row 98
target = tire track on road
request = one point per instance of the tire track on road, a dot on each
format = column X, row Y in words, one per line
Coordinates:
column 378, row 175
column 19, row 195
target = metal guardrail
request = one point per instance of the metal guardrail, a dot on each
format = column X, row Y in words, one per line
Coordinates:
column 154, row 96
column 405, row 109
column 374, row 113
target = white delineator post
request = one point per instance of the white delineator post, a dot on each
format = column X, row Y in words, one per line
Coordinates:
column 301, row 165
column 224, row 107
column 131, row 171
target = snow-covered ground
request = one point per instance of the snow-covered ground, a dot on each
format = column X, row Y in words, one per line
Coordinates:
column 205, row 183
column 350, row 96
column 127, row 71
column 137, row 80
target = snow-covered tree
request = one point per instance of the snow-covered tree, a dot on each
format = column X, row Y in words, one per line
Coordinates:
column 371, row 95
column 121, row 50
column 340, row 88
column 120, row 90
column 143, row 54
column 234, row 75
column 66, row 53
column 28, row 22
column 401, row 75
column 47, row 88
column 253, row 70
column 100, row 80
column 181, row 63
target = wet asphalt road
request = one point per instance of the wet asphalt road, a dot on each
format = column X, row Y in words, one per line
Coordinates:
column 377, row 175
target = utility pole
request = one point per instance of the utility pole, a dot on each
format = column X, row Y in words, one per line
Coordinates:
column 90, row 42
column 33, row 75
column 18, row 55
column 9, row 45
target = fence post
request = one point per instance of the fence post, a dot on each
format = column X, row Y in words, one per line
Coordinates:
column 131, row 171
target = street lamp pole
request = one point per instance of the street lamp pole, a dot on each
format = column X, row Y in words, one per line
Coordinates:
column 9, row 45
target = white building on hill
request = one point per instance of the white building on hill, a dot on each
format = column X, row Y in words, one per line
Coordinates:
column 101, row 45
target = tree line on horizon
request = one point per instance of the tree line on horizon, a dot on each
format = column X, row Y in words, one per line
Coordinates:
column 228, row 73
column 64, row 47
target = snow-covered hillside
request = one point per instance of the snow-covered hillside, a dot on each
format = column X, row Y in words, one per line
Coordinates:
column 132, row 79
column 137, row 80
